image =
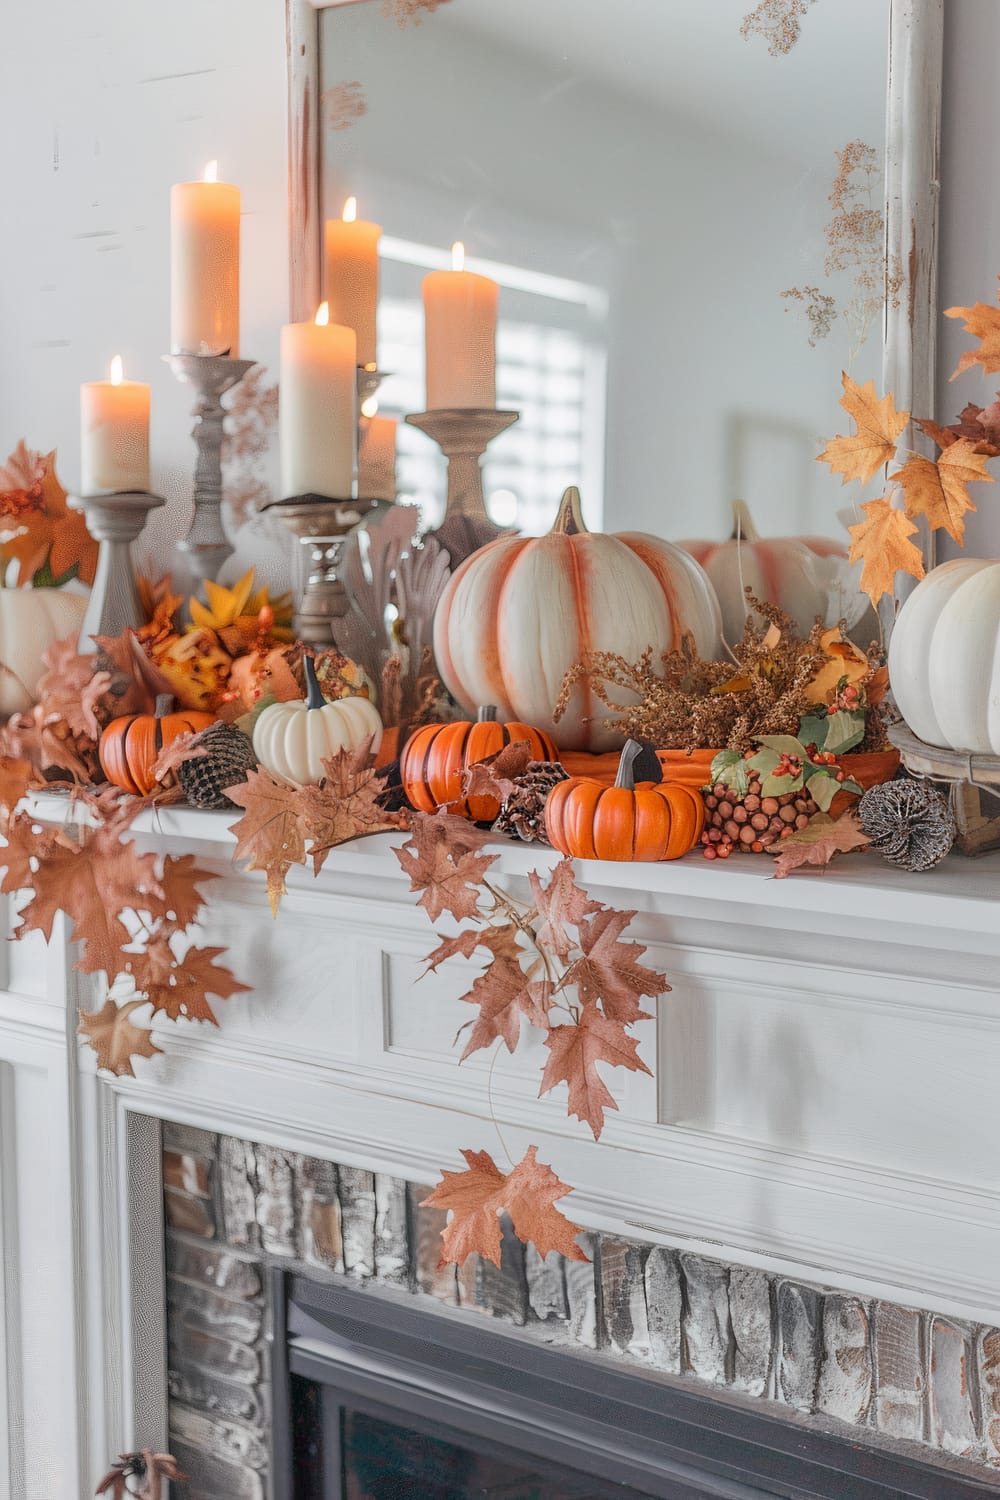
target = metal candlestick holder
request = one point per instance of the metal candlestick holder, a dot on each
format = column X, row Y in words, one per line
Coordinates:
column 369, row 380
column 321, row 525
column 115, row 521
column 206, row 546
column 463, row 435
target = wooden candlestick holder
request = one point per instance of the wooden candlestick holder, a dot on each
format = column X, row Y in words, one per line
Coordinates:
column 463, row 434
column 321, row 524
column 115, row 521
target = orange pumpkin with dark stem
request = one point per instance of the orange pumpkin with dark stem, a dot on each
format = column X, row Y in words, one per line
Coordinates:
column 434, row 758
column 628, row 821
column 130, row 745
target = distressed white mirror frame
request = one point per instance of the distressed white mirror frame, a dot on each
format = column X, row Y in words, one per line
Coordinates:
column 913, row 116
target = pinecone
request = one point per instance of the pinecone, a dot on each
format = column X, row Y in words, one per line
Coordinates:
column 230, row 756
column 523, row 813
column 752, row 823
column 909, row 822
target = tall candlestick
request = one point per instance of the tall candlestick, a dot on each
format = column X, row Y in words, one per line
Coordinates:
column 114, row 434
column 205, row 266
column 376, row 456
column 352, row 276
column 317, row 408
column 460, row 317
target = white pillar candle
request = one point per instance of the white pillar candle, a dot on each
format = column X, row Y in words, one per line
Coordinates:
column 376, row 457
column 205, row 266
column 114, row 434
column 351, row 271
column 317, row 408
column 460, row 326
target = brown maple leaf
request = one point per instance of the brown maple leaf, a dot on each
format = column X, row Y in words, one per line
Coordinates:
column 114, row 1038
column 879, row 425
column 15, row 778
column 574, row 1052
column 981, row 425
column 346, row 804
column 982, row 320
column 495, row 775
column 882, row 543
column 179, row 881
column 440, row 859
column 610, row 971
column 70, row 688
column 27, row 842
column 270, row 835
column 818, row 843
column 476, row 1197
column 500, row 939
column 54, row 533
column 180, row 987
column 505, row 993
column 560, row 904
column 136, row 681
column 939, row 490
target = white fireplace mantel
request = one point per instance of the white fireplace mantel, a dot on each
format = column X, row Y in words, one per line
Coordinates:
column 824, row 1102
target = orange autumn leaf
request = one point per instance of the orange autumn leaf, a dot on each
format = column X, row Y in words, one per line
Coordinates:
column 15, row 777
column 818, row 843
column 505, row 993
column 55, row 533
column 574, row 1052
column 346, row 804
column 879, row 425
column 882, row 543
column 441, row 861
column 114, row 1038
column 560, row 904
column 270, row 836
column 843, row 659
column 982, row 320
column 609, row 971
column 179, row 988
column 939, row 490
column 476, row 1197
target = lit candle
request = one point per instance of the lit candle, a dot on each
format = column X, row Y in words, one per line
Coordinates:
column 114, row 434
column 317, row 408
column 352, row 276
column 205, row 266
column 460, row 321
column 376, row 454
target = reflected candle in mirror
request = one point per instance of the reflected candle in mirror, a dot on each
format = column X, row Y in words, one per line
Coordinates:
column 317, row 408
column 114, row 434
column 376, row 457
column 351, row 272
column 205, row 266
column 460, row 328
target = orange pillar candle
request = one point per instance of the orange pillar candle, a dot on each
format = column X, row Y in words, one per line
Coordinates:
column 114, row 434
column 205, row 266
column 317, row 408
column 351, row 271
column 376, row 457
column 460, row 318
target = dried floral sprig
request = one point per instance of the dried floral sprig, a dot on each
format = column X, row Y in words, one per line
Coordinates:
column 778, row 22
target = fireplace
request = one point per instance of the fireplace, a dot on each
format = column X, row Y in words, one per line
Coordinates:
column 317, row 1352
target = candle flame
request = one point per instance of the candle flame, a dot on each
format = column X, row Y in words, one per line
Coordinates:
column 211, row 172
column 350, row 210
column 117, row 370
column 322, row 315
column 369, row 408
column 458, row 256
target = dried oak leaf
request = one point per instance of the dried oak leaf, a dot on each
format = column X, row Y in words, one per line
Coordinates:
column 179, row 988
column 496, row 775
column 939, row 490
column 982, row 320
column 820, row 841
column 610, row 972
column 560, row 904
column 440, row 859
column 574, row 1052
column 882, row 543
column 270, row 835
column 346, row 804
column 879, row 425
column 476, row 1197
column 116, row 1041
column 505, row 993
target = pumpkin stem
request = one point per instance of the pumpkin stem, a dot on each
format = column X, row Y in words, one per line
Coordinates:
column 314, row 693
column 569, row 516
column 631, row 750
column 744, row 529
column 486, row 713
column 164, row 705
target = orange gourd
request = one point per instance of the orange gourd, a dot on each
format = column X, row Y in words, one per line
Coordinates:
column 130, row 745
column 637, row 822
column 434, row 757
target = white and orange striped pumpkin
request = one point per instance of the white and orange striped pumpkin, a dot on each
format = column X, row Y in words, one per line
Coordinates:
column 521, row 611
column 797, row 573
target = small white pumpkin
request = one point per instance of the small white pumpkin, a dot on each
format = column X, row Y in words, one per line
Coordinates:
column 293, row 739
column 944, row 657
column 30, row 621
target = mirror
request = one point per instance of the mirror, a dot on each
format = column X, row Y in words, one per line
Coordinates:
column 683, row 207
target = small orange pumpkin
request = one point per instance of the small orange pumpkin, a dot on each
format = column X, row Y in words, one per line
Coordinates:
column 130, row 745
column 434, row 758
column 648, row 821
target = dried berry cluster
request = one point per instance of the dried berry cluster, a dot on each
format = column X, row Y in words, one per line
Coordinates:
column 754, row 822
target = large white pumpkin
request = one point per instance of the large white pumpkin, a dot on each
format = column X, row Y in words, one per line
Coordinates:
column 30, row 621
column 521, row 611
column 944, row 657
